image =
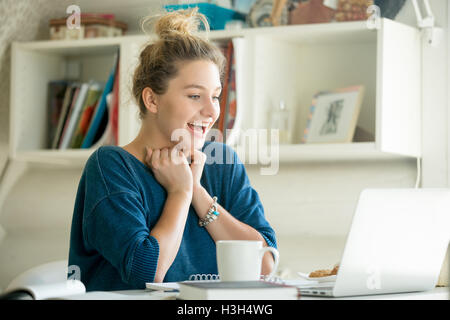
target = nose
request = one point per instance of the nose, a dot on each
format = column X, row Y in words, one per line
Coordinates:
column 211, row 109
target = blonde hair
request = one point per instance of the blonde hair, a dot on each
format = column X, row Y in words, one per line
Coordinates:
column 158, row 62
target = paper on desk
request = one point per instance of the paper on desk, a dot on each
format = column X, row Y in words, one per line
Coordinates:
column 174, row 286
column 123, row 295
column 162, row 286
column 170, row 286
column 300, row 282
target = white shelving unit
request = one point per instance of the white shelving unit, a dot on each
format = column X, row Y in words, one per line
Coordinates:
column 294, row 63
column 289, row 62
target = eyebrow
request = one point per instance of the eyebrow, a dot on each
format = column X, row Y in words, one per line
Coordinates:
column 198, row 87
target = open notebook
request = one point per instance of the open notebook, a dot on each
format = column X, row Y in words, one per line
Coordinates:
column 44, row 291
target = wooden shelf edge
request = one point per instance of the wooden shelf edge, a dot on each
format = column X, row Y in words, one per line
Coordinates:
column 212, row 35
column 58, row 158
column 293, row 153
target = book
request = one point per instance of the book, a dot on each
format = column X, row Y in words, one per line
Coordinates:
column 230, row 111
column 236, row 290
column 92, row 97
column 44, row 291
column 69, row 112
column 56, row 95
column 104, row 135
column 115, row 109
column 107, row 133
column 101, row 109
column 70, row 91
column 74, row 116
column 228, row 53
column 234, row 113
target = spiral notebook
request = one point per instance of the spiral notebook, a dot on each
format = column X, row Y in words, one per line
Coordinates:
column 174, row 286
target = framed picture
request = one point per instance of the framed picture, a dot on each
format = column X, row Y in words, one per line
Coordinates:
column 333, row 115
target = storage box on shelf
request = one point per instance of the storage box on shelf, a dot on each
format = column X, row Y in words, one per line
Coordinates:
column 289, row 63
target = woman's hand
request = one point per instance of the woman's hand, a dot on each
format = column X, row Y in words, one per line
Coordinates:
column 197, row 165
column 171, row 169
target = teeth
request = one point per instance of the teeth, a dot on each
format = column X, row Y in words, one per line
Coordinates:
column 198, row 125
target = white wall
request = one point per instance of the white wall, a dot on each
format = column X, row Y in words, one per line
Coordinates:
column 435, row 126
column 301, row 202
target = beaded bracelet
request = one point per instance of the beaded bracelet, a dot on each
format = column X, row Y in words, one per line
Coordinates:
column 211, row 215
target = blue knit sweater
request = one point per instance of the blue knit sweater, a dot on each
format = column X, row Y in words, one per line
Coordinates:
column 119, row 201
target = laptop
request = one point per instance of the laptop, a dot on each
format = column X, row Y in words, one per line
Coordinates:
column 397, row 243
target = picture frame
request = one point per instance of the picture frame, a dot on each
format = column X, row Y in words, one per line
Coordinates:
column 333, row 115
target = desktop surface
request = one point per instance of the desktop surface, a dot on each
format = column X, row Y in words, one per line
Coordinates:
column 438, row 293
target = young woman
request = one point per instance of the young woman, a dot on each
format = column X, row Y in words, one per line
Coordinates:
column 144, row 212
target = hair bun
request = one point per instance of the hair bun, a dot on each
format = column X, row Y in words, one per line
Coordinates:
column 180, row 22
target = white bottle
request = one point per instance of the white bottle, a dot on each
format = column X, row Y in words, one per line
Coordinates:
column 279, row 120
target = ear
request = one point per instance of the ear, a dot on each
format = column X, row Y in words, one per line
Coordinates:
column 150, row 100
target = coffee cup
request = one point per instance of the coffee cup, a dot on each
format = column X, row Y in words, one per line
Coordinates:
column 240, row 260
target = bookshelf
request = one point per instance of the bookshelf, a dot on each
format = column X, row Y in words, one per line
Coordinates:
column 291, row 63
column 387, row 61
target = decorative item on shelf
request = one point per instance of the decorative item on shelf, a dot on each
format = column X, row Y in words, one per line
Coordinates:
column 217, row 16
column 280, row 119
column 243, row 6
column 389, row 8
column 92, row 25
column 333, row 115
column 312, row 11
column 352, row 10
column 267, row 13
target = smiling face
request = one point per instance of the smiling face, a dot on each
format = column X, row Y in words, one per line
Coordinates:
column 191, row 103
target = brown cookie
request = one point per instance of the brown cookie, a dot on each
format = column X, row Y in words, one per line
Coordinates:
column 320, row 273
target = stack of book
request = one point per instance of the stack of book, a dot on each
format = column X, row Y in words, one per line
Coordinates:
column 236, row 290
column 83, row 115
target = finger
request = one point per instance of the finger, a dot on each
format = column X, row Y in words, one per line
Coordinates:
column 148, row 155
column 184, row 149
column 156, row 155
column 176, row 155
column 164, row 154
column 199, row 157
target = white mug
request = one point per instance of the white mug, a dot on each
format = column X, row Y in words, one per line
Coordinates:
column 240, row 260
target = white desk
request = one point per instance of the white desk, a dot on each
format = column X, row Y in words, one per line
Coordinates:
column 435, row 294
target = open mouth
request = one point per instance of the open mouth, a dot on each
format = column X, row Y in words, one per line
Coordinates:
column 198, row 128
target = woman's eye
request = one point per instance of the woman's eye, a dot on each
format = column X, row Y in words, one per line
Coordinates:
column 196, row 97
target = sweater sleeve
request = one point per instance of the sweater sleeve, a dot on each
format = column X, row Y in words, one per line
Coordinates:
column 244, row 202
column 117, row 229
